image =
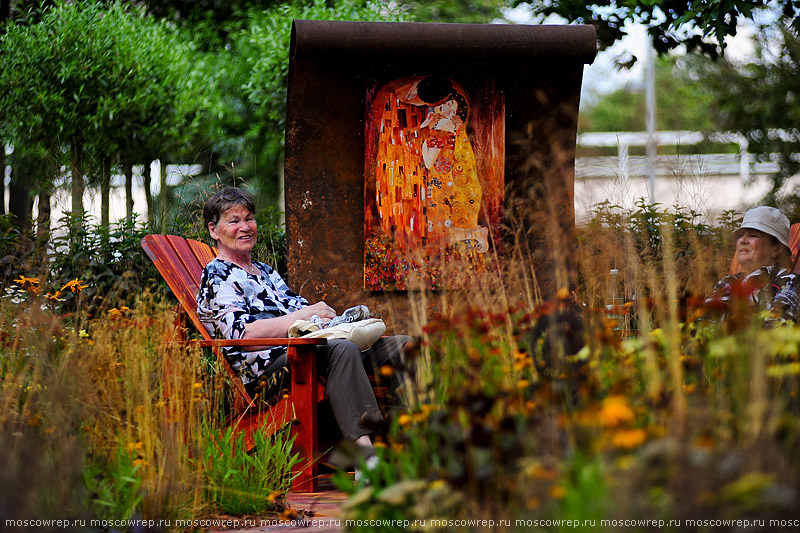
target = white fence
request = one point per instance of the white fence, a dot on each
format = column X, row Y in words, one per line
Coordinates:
column 707, row 183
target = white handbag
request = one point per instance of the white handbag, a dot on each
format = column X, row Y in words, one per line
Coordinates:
column 363, row 333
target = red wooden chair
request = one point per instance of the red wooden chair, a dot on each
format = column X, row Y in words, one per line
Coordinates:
column 794, row 246
column 180, row 262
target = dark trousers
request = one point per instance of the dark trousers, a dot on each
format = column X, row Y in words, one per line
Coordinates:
column 344, row 368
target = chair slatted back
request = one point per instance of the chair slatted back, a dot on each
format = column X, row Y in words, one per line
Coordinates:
column 180, row 262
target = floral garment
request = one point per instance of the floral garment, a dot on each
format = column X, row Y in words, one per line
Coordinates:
column 230, row 298
column 766, row 288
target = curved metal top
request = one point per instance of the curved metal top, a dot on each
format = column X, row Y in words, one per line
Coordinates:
column 473, row 43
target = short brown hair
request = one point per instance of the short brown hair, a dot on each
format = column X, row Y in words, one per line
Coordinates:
column 223, row 200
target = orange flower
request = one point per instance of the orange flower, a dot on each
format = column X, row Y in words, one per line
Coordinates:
column 615, row 411
column 32, row 284
column 114, row 312
column 75, row 285
column 404, row 420
column 24, row 281
column 629, row 438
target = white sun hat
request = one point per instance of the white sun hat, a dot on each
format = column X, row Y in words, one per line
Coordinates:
column 766, row 219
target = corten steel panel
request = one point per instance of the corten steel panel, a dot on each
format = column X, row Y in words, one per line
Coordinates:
column 538, row 69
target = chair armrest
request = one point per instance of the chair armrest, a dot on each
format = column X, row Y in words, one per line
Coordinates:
column 295, row 341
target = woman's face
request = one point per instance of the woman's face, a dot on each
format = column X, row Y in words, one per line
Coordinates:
column 236, row 231
column 447, row 109
column 755, row 249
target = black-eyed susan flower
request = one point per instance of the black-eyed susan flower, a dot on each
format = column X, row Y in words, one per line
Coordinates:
column 74, row 285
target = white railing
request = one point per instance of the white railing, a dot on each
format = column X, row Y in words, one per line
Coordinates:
column 623, row 140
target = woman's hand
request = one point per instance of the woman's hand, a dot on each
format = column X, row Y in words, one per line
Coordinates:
column 321, row 309
column 279, row 326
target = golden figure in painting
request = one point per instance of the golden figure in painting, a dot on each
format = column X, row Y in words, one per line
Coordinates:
column 428, row 192
column 433, row 188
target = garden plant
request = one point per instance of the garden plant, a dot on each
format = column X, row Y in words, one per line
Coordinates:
column 618, row 396
column 658, row 411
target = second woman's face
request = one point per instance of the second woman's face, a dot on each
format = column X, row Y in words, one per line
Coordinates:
column 755, row 249
column 236, row 231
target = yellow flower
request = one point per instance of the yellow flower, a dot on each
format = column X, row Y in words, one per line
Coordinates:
column 522, row 364
column 427, row 408
column 615, row 411
column 557, row 492
column 629, row 438
column 32, row 284
column 51, row 296
column 523, row 384
column 404, row 420
column 26, row 281
column 75, row 285
column 533, row 503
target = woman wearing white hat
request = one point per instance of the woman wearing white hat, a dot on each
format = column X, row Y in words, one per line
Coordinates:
column 762, row 251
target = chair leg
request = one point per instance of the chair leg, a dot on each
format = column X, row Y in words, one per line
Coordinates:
column 303, row 365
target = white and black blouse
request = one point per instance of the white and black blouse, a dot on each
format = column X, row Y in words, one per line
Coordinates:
column 230, row 297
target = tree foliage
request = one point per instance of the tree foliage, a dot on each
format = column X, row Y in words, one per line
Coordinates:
column 96, row 82
column 760, row 100
column 464, row 11
column 684, row 101
column 251, row 71
column 700, row 25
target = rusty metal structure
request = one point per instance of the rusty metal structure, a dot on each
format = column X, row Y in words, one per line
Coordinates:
column 539, row 71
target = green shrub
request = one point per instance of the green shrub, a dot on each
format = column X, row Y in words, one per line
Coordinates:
column 246, row 483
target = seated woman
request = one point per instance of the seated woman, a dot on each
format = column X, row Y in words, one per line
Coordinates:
column 762, row 251
column 240, row 298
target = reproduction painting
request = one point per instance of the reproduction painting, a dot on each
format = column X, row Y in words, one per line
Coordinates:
column 434, row 171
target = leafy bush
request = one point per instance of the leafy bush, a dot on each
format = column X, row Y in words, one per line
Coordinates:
column 247, row 483
column 109, row 261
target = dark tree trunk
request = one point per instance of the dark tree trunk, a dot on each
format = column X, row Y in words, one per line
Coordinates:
column 78, row 185
column 127, row 168
column 43, row 220
column 105, row 201
column 105, row 191
column 148, row 196
column 20, row 201
column 5, row 14
column 2, row 178
column 162, row 198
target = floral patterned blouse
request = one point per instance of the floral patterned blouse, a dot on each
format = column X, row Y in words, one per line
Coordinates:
column 766, row 288
column 230, row 298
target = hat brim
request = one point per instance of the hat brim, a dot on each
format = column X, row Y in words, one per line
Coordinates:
column 763, row 228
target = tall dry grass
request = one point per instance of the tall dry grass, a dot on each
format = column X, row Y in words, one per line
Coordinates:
column 678, row 414
column 101, row 423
